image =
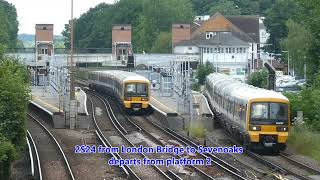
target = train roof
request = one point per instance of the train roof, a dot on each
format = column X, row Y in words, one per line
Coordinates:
column 123, row 75
column 235, row 88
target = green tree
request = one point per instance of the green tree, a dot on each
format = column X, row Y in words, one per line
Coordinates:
column 298, row 43
column 276, row 18
column 8, row 24
column 309, row 17
column 308, row 101
column 203, row 7
column 163, row 43
column 203, row 71
column 226, row 7
column 7, row 156
column 259, row 79
column 14, row 98
column 158, row 16
column 264, row 5
column 149, row 20
column 14, row 95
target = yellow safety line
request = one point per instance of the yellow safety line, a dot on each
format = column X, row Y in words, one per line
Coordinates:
column 162, row 104
column 48, row 104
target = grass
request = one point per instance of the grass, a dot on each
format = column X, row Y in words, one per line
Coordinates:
column 197, row 129
column 304, row 141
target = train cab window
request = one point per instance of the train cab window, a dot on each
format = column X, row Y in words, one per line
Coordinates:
column 269, row 113
column 136, row 89
column 130, row 88
column 142, row 89
column 259, row 111
column 278, row 111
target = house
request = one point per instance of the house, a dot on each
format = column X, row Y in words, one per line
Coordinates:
column 218, row 41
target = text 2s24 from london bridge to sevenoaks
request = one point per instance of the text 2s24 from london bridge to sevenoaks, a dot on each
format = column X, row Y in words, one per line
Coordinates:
column 189, row 159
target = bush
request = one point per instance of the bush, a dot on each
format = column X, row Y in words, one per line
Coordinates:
column 259, row 79
column 7, row 155
column 308, row 101
column 14, row 96
column 203, row 71
column 195, row 87
column 304, row 141
column 197, row 129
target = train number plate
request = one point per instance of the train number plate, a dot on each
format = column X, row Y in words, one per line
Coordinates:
column 136, row 105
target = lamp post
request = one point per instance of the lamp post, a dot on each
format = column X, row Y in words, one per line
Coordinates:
column 288, row 61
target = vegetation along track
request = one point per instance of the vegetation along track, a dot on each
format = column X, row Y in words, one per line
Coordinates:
column 118, row 138
column 54, row 163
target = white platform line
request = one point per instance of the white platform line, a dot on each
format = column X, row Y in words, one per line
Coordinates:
column 44, row 109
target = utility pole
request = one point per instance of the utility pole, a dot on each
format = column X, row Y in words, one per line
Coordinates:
column 72, row 93
column 73, row 102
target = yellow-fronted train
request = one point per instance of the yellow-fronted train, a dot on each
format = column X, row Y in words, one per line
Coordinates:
column 131, row 90
column 259, row 117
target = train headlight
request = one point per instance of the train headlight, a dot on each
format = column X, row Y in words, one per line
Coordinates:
column 144, row 99
column 127, row 99
column 282, row 128
column 255, row 128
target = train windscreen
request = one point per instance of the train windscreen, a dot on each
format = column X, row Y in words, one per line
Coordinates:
column 136, row 89
column 269, row 113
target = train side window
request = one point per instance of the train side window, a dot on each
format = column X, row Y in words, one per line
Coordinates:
column 243, row 112
column 233, row 108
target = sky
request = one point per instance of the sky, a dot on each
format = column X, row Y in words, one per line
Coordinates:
column 57, row 12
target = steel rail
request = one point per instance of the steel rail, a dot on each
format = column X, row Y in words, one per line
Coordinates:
column 106, row 143
column 304, row 166
column 275, row 166
column 219, row 162
column 162, row 144
column 113, row 118
column 32, row 145
column 56, row 142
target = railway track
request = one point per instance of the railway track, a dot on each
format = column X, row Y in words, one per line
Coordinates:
column 134, row 172
column 296, row 169
column 304, row 166
column 36, row 172
column 233, row 171
column 145, row 132
column 126, row 169
column 53, row 162
column 206, row 172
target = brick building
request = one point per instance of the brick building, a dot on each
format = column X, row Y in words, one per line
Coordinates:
column 122, row 42
column 44, row 42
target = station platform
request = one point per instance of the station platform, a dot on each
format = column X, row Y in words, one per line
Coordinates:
column 201, row 105
column 43, row 98
column 165, row 105
column 46, row 99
